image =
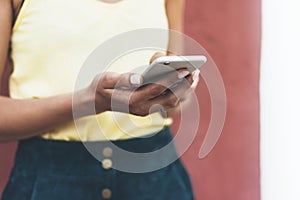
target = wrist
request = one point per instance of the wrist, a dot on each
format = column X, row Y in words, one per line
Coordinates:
column 79, row 104
column 85, row 103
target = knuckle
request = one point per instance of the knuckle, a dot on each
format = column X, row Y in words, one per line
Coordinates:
column 155, row 89
column 172, row 101
column 105, row 78
column 132, row 102
column 143, row 114
column 104, row 93
column 138, row 110
column 99, row 80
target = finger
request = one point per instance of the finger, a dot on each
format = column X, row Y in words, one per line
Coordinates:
column 119, row 99
column 155, row 56
column 195, row 78
column 169, row 53
column 149, row 91
column 181, row 89
column 173, row 96
column 123, row 101
column 172, row 111
column 178, row 108
column 187, row 76
column 165, row 113
column 110, row 80
column 162, row 84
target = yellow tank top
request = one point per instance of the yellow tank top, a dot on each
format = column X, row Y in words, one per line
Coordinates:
column 51, row 39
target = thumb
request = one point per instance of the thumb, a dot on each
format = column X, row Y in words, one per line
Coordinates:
column 112, row 80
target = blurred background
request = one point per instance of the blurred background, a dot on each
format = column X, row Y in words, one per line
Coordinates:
column 231, row 32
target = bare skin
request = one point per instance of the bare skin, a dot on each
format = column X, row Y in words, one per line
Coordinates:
column 21, row 119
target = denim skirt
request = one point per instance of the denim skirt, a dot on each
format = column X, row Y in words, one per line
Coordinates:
column 63, row 170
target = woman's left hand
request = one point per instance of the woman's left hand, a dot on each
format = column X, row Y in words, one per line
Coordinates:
column 184, row 90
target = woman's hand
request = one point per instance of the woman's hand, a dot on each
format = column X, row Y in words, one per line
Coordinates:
column 111, row 91
column 126, row 93
column 185, row 88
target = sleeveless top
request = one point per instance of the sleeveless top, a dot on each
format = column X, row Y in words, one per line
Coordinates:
column 51, row 39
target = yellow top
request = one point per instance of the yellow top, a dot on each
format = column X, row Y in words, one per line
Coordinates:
column 51, row 40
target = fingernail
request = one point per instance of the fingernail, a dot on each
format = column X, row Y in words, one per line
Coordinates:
column 135, row 79
column 183, row 74
column 196, row 74
column 195, row 83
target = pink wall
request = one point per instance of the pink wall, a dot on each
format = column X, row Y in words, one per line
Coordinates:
column 230, row 31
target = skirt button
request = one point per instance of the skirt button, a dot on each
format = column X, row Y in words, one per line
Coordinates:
column 107, row 163
column 106, row 193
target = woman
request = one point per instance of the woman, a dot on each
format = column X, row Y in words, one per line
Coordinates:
column 50, row 40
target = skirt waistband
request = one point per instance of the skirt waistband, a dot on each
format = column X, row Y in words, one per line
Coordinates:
column 41, row 154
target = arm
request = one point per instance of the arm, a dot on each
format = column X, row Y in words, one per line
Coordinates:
column 175, row 15
column 5, row 28
column 25, row 118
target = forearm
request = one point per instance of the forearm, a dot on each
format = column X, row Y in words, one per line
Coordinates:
column 5, row 32
column 175, row 15
column 25, row 118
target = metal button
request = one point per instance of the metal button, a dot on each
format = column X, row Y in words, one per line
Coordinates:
column 106, row 163
column 106, row 193
column 107, row 152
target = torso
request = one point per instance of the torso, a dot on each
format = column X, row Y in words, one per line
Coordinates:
column 52, row 36
column 17, row 4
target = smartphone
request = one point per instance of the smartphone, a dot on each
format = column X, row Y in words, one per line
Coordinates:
column 166, row 64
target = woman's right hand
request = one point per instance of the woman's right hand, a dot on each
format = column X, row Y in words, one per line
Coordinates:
column 111, row 91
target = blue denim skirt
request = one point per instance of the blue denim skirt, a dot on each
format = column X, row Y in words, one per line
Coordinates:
column 61, row 170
